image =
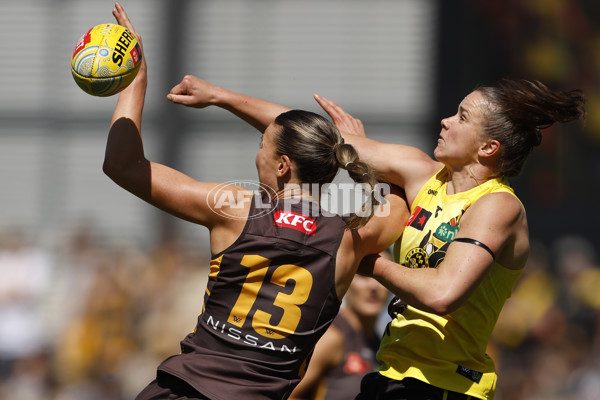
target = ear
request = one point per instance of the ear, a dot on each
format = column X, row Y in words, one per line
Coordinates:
column 489, row 148
column 284, row 166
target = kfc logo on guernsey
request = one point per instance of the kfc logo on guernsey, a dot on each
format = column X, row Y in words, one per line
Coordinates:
column 299, row 222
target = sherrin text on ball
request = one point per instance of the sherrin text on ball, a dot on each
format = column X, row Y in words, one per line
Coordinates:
column 106, row 59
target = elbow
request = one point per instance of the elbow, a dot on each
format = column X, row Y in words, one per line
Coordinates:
column 441, row 304
column 133, row 177
column 111, row 170
column 118, row 172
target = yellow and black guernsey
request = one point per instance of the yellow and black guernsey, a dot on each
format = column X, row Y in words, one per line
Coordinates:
column 446, row 351
column 270, row 297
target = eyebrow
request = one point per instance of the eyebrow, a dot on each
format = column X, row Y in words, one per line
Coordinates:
column 463, row 110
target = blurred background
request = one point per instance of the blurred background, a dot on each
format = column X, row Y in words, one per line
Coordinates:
column 97, row 287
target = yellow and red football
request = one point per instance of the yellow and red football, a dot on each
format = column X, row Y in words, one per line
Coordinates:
column 105, row 60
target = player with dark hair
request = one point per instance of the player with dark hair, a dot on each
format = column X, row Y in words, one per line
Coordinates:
column 280, row 265
column 466, row 242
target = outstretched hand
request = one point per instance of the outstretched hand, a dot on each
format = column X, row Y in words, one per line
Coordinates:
column 345, row 122
column 192, row 92
column 123, row 20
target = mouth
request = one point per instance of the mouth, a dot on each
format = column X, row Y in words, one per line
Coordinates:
column 374, row 300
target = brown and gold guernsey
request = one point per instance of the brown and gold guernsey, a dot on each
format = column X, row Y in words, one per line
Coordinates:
column 270, row 297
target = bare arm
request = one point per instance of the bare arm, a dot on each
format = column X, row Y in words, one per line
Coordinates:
column 387, row 224
column 159, row 185
column 195, row 92
column 497, row 220
column 382, row 230
column 405, row 166
column 328, row 354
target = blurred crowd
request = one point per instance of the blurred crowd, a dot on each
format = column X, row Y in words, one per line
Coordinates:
column 546, row 344
column 91, row 320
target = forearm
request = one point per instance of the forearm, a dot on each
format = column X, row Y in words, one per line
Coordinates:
column 195, row 92
column 423, row 288
column 124, row 146
column 387, row 224
column 257, row 112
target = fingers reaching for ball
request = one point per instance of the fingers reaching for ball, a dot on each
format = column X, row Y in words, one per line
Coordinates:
column 122, row 19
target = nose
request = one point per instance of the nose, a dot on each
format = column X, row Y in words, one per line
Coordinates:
column 445, row 123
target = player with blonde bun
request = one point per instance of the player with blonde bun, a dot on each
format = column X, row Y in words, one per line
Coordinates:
column 276, row 278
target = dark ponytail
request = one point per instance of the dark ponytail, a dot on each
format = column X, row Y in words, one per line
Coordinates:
column 518, row 112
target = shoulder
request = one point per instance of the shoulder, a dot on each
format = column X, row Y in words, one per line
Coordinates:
column 229, row 208
column 418, row 173
column 499, row 220
column 228, row 197
column 498, row 211
column 500, row 205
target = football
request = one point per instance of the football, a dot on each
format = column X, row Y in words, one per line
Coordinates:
column 105, row 60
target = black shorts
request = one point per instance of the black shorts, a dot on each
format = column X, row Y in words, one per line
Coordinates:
column 375, row 386
column 169, row 387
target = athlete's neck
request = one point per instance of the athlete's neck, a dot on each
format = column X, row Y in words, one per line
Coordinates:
column 299, row 191
column 467, row 178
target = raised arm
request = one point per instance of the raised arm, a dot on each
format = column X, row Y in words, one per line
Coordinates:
column 402, row 165
column 159, row 185
column 382, row 230
column 197, row 93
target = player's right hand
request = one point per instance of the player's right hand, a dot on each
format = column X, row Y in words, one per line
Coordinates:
column 192, row 92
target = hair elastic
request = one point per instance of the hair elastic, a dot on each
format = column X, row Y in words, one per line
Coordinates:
column 348, row 163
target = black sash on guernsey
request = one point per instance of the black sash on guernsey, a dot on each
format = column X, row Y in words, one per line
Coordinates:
column 270, row 297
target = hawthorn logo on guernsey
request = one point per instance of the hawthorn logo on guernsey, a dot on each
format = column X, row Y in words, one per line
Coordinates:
column 299, row 222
